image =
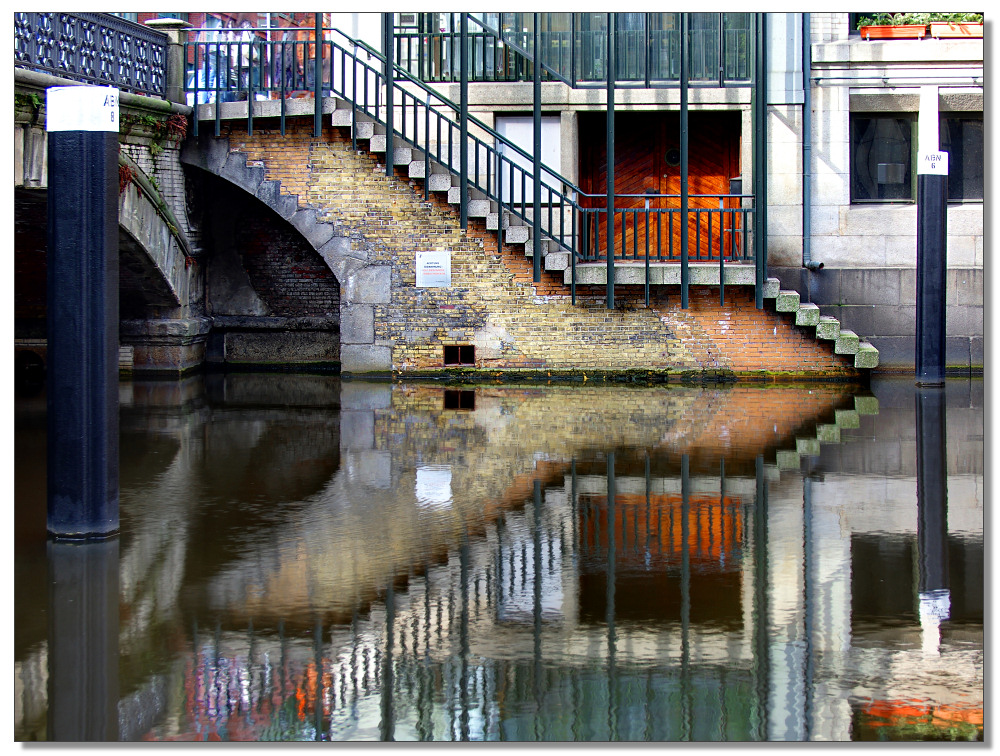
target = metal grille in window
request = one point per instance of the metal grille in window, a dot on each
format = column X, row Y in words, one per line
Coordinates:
column 460, row 354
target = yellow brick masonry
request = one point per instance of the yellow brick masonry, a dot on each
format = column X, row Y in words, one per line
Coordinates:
column 492, row 303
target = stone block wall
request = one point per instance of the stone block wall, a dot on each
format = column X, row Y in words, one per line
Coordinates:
column 390, row 325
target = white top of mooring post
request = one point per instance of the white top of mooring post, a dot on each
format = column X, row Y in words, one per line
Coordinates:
column 81, row 108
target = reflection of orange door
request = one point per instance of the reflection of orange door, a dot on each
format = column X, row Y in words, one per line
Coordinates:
column 647, row 157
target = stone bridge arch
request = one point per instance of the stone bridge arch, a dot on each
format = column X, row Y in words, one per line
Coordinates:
column 362, row 285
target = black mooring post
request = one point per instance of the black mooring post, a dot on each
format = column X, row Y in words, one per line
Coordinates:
column 82, row 318
column 932, row 264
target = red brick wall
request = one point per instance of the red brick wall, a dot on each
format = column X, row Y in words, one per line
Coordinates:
column 285, row 271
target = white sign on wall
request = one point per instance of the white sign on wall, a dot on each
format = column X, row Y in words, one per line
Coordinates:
column 933, row 163
column 433, row 269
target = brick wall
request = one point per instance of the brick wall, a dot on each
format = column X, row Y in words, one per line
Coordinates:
column 492, row 303
column 283, row 269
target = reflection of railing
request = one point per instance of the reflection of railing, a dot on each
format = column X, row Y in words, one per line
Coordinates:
column 94, row 48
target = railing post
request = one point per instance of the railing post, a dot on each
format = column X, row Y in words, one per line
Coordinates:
column 536, row 260
column 684, row 159
column 176, row 73
column 317, row 76
column 463, row 178
column 760, row 157
column 610, row 229
column 387, row 19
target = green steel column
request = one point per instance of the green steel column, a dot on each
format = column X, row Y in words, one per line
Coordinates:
column 463, row 178
column 759, row 147
column 390, row 76
column 317, row 77
column 610, row 227
column 684, row 159
column 536, row 224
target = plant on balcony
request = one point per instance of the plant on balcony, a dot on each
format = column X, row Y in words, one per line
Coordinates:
column 915, row 25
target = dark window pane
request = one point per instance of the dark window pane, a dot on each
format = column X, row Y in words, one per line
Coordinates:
column 962, row 139
column 880, row 158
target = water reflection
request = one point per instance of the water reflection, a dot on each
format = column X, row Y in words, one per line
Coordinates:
column 302, row 558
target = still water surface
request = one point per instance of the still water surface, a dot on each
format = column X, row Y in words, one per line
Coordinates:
column 305, row 558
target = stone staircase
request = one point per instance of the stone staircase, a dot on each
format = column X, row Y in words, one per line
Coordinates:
column 556, row 257
column 828, row 328
column 439, row 179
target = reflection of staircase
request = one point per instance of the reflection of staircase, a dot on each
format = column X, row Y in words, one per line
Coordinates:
column 827, row 433
column 807, row 314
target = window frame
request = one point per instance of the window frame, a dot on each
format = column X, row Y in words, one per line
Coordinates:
column 911, row 119
column 953, row 115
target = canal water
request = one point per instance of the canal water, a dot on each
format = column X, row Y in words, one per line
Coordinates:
column 309, row 558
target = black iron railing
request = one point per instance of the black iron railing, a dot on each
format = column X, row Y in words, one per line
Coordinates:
column 92, row 47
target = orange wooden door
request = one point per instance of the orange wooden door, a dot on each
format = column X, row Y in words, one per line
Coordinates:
column 647, row 155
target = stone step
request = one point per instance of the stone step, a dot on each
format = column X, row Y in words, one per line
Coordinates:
column 866, row 405
column 847, row 343
column 866, row 357
column 807, row 314
column 827, row 328
column 557, row 261
column 516, row 234
column 478, row 208
column 787, row 301
column 365, row 130
column 439, row 182
column 772, row 286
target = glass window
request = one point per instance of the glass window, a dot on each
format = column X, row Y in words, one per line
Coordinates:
column 882, row 158
column 962, row 138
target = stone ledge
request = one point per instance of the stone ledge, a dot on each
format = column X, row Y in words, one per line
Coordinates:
column 275, row 323
column 660, row 273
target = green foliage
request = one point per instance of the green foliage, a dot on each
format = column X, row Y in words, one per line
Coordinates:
column 919, row 19
column 27, row 100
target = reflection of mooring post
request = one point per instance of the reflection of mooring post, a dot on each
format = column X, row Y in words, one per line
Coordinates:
column 932, row 515
column 82, row 262
column 932, row 245
column 83, row 640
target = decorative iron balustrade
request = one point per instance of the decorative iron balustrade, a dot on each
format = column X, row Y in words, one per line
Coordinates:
column 96, row 48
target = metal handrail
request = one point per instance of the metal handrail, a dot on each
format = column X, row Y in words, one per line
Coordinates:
column 500, row 169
